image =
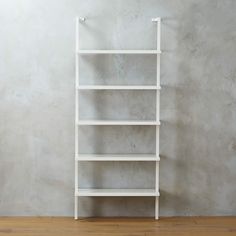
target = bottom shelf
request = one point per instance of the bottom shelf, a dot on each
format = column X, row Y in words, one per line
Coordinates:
column 117, row 193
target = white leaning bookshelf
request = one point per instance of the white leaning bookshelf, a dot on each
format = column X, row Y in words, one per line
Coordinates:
column 79, row 157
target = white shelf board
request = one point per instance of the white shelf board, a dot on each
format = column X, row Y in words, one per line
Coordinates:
column 117, row 157
column 119, row 51
column 117, row 192
column 118, row 122
column 118, row 87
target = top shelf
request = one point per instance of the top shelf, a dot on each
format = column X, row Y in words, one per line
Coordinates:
column 85, row 52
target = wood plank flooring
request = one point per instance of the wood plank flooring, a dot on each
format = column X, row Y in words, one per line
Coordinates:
column 65, row 226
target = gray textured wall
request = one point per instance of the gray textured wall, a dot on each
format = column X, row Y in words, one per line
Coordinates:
column 198, row 105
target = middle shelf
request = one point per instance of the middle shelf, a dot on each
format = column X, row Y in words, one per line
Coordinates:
column 118, row 122
column 117, row 157
column 118, row 87
column 87, row 52
column 117, row 192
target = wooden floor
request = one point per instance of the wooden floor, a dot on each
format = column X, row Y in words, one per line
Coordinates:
column 57, row 226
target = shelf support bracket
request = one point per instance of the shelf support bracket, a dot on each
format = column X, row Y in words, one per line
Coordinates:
column 156, row 19
column 82, row 18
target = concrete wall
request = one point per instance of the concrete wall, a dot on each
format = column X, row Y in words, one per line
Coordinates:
column 198, row 105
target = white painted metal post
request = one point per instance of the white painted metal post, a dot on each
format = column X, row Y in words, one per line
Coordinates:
column 158, row 20
column 76, row 112
column 159, row 33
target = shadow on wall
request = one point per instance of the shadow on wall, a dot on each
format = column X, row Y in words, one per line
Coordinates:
column 107, row 206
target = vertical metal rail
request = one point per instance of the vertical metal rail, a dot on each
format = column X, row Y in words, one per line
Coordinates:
column 158, row 21
column 76, row 112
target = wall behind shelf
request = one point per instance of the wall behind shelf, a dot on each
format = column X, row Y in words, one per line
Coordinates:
column 198, row 103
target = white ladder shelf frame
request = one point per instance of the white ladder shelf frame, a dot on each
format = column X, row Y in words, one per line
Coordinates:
column 111, row 157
